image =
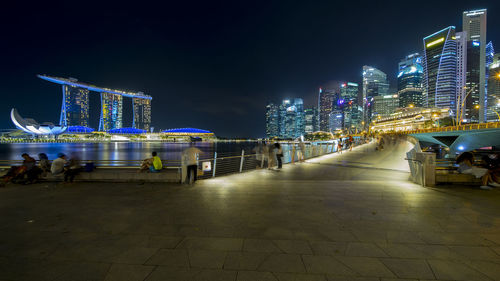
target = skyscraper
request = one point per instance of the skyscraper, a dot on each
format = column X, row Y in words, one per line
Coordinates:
column 111, row 112
column 410, row 76
column 494, row 89
column 311, row 120
column 352, row 115
column 385, row 105
column 325, row 105
column 440, row 69
column 272, row 120
column 474, row 23
column 490, row 53
column 461, row 88
column 142, row 113
column 374, row 84
column 75, row 106
column 293, row 122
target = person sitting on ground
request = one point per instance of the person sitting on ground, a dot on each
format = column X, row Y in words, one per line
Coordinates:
column 44, row 163
column 57, row 167
column 32, row 171
column 74, row 167
column 492, row 177
column 16, row 174
column 465, row 163
column 157, row 164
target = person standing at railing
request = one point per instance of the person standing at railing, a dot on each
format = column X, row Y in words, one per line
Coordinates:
column 265, row 155
column 259, row 155
column 301, row 151
column 279, row 154
column 272, row 156
column 190, row 158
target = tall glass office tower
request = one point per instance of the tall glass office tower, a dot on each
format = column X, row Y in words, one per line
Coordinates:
column 272, row 120
column 111, row 111
column 75, row 106
column 142, row 113
column 494, row 89
column 474, row 23
column 440, row 69
column 349, row 95
column 410, row 76
column 325, row 105
column 311, row 120
column 374, row 84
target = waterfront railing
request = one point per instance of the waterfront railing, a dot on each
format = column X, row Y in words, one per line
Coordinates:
column 219, row 163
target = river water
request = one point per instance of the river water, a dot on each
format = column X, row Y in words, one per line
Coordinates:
column 121, row 150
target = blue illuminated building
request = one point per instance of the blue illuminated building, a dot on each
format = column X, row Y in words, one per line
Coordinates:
column 79, row 130
column 127, row 131
column 410, row 76
column 440, row 69
column 75, row 106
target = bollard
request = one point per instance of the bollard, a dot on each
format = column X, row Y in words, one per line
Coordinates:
column 242, row 157
column 215, row 163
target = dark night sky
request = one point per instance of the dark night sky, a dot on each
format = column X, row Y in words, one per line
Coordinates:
column 209, row 64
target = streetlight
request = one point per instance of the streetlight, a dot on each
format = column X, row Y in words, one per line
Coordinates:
column 461, row 104
column 498, row 115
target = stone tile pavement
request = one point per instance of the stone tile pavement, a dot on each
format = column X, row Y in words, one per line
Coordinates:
column 339, row 217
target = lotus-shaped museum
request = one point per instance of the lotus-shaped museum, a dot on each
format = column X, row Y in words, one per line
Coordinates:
column 30, row 126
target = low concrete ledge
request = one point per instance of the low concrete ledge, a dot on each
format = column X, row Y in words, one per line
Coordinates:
column 444, row 177
column 122, row 175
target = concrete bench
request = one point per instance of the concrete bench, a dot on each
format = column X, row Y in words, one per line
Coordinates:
column 453, row 177
column 171, row 174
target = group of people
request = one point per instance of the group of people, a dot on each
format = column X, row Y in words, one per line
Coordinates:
column 488, row 169
column 269, row 155
column 30, row 171
column 347, row 143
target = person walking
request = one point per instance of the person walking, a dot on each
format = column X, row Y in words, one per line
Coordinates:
column 339, row 146
column 190, row 161
column 279, row 154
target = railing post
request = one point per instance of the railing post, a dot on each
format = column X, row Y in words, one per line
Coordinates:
column 215, row 164
column 242, row 157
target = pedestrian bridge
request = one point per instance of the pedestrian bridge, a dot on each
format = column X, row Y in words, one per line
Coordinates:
column 460, row 138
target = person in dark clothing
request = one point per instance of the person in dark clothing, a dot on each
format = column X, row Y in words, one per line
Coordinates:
column 279, row 154
column 73, row 169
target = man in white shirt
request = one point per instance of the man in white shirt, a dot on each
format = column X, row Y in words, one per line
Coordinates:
column 190, row 160
column 58, row 164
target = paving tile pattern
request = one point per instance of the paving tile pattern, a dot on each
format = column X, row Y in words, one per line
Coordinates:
column 353, row 216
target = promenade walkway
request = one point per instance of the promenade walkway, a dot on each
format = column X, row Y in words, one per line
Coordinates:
column 338, row 217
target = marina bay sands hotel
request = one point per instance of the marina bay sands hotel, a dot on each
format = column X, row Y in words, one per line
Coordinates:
column 75, row 105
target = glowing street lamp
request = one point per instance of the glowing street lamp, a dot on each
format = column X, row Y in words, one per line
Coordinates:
column 411, row 105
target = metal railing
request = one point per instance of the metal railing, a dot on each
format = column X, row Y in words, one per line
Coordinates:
column 467, row 127
column 222, row 163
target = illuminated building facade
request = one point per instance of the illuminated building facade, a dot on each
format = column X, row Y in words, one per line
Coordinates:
column 474, row 24
column 272, row 120
column 111, row 112
column 325, row 105
column 440, row 68
column 311, row 120
column 494, row 89
column 409, row 119
column 384, row 106
column 374, row 84
column 75, row 106
column 142, row 114
column 490, row 54
column 410, row 76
